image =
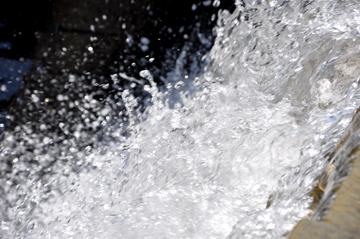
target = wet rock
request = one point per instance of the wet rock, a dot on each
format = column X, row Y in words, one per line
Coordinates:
column 343, row 218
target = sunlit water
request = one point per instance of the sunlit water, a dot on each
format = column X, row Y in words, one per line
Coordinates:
column 278, row 90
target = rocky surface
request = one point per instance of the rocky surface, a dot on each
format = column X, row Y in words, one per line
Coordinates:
column 343, row 218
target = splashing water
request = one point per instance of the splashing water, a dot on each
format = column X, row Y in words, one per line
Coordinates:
column 234, row 155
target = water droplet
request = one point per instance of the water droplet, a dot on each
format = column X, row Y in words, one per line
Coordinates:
column 129, row 41
column 42, row 127
column 147, row 88
column 179, row 84
column 206, row 3
column 144, row 48
column 146, row 74
column 72, row 78
column 216, row 3
column 104, row 112
column 60, row 97
column 46, row 140
column 77, row 134
column 193, row 7
column 145, row 40
column 34, row 98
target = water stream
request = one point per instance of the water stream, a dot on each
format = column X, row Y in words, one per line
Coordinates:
column 232, row 152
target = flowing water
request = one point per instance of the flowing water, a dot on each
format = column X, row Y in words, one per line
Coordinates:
column 232, row 152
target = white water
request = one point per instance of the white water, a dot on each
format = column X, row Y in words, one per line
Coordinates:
column 275, row 98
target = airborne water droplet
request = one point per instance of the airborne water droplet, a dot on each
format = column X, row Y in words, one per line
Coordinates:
column 216, row 3
column 179, row 84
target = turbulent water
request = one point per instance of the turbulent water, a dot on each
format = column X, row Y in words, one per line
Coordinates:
column 208, row 155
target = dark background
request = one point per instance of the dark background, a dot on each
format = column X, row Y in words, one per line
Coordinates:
column 53, row 73
column 53, row 36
